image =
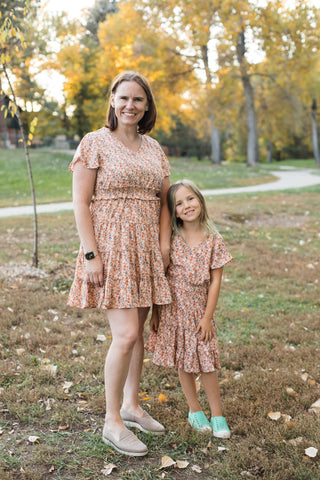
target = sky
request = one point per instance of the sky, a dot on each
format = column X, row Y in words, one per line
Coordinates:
column 72, row 7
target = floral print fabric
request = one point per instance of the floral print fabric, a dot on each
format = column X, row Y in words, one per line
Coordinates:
column 176, row 343
column 125, row 213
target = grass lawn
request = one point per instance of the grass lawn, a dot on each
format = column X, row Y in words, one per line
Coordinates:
column 53, row 181
column 51, row 358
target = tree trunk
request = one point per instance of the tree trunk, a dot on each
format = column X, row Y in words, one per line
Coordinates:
column 35, row 257
column 270, row 150
column 215, row 142
column 314, row 132
column 3, row 124
column 214, row 132
column 252, row 143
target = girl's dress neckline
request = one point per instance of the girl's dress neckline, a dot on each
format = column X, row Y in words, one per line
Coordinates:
column 125, row 146
column 194, row 246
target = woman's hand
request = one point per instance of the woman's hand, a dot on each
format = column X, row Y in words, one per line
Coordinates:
column 206, row 330
column 94, row 271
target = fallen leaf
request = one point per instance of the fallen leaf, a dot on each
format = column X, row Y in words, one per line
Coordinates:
column 33, row 439
column 101, row 338
column 146, row 360
column 167, row 462
column 107, row 469
column 66, row 386
column 222, row 449
column 63, row 427
column 274, row 415
column 51, row 469
column 162, row 398
column 315, row 407
column 20, row 351
column 311, row 452
column 291, row 392
column 52, row 369
column 311, row 382
column 196, row 468
column 304, row 377
column 286, row 418
column 295, row 441
column 182, row 463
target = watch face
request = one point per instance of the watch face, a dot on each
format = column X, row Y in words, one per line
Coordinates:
column 89, row 255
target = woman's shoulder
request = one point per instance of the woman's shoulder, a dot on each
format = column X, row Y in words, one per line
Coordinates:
column 152, row 142
column 101, row 133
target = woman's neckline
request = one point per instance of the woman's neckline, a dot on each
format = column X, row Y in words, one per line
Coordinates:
column 124, row 145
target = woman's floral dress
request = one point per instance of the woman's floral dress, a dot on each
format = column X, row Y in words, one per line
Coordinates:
column 176, row 343
column 125, row 213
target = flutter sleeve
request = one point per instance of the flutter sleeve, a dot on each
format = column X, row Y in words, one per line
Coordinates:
column 220, row 255
column 87, row 153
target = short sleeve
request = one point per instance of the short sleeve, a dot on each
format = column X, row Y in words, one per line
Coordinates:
column 87, row 152
column 165, row 164
column 220, row 255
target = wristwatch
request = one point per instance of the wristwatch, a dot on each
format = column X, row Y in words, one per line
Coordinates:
column 90, row 255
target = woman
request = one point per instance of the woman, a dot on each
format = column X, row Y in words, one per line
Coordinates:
column 120, row 182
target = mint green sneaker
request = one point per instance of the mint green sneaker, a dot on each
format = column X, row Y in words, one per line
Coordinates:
column 220, row 427
column 199, row 422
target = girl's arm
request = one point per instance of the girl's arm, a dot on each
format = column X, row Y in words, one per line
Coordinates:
column 83, row 187
column 165, row 223
column 154, row 320
column 205, row 325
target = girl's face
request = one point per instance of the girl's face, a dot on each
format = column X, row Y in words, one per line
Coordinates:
column 130, row 103
column 188, row 207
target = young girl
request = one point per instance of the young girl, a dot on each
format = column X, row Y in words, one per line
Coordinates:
column 183, row 333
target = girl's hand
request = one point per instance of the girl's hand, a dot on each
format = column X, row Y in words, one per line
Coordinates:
column 206, row 330
column 94, row 271
column 154, row 320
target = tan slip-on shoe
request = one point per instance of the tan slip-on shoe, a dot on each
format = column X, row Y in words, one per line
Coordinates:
column 128, row 443
column 145, row 423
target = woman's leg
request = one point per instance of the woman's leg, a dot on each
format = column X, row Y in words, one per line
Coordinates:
column 189, row 388
column 124, row 324
column 132, row 384
column 210, row 384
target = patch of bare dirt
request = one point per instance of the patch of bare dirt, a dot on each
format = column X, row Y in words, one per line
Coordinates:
column 20, row 271
column 265, row 220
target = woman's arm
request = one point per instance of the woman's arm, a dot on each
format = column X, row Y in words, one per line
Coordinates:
column 205, row 325
column 165, row 223
column 83, row 187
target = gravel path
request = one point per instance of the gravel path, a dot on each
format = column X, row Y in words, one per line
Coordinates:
column 287, row 178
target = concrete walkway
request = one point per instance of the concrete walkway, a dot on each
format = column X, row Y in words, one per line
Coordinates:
column 287, row 178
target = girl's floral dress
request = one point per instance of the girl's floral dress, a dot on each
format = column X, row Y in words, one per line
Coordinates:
column 176, row 343
column 125, row 212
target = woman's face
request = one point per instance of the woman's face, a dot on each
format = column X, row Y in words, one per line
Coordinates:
column 130, row 104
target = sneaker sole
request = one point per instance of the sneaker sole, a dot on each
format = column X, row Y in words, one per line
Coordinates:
column 222, row 435
column 125, row 452
column 129, row 423
column 202, row 430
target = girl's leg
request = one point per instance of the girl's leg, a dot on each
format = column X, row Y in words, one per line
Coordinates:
column 210, row 384
column 188, row 384
column 124, row 324
column 131, row 388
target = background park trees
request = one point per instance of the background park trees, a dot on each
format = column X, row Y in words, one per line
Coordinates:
column 240, row 76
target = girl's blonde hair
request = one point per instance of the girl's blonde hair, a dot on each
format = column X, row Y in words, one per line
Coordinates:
column 205, row 221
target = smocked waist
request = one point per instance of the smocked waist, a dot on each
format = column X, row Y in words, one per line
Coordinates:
column 134, row 194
